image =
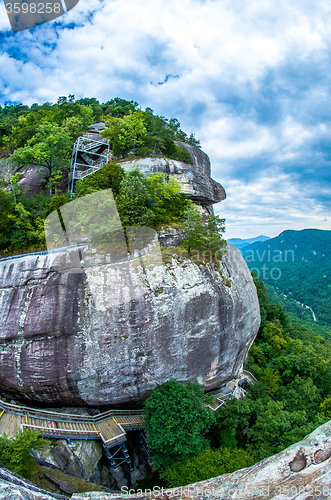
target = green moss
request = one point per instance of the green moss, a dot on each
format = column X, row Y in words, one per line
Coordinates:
column 40, row 480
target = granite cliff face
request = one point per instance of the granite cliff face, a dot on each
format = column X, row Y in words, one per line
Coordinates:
column 85, row 328
column 104, row 336
column 301, row 472
column 195, row 179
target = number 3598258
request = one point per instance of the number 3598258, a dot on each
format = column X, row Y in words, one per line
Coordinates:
column 33, row 8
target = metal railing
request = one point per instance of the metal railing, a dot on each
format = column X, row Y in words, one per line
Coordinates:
column 75, row 433
column 43, row 252
column 63, row 432
column 66, row 417
column 250, row 375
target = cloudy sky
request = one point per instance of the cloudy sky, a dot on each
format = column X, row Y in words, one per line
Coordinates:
column 250, row 78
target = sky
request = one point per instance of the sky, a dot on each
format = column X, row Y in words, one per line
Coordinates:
column 250, row 78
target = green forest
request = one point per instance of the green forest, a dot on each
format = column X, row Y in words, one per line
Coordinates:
column 291, row 398
column 290, row 360
column 44, row 135
column 296, row 268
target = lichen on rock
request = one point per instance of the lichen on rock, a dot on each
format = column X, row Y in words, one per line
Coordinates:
column 62, row 344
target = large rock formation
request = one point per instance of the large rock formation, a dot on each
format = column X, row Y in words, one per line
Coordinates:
column 301, row 472
column 196, row 184
column 80, row 327
column 195, row 177
column 104, row 336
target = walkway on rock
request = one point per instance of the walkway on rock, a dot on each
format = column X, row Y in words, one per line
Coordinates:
column 110, row 426
column 228, row 391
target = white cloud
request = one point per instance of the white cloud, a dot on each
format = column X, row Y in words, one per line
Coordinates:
column 270, row 204
column 251, row 79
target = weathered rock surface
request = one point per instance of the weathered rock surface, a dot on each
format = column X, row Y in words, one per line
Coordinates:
column 196, row 183
column 34, row 180
column 99, row 337
column 14, row 487
column 80, row 458
column 301, row 472
column 199, row 158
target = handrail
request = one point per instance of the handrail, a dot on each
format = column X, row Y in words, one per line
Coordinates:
column 67, row 417
column 58, row 431
column 43, row 252
column 54, row 432
column 116, row 438
column 249, row 374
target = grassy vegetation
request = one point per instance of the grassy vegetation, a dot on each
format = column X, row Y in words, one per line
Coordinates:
column 44, row 135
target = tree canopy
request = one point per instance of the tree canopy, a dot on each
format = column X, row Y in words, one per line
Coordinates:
column 50, row 147
column 15, row 452
column 175, row 420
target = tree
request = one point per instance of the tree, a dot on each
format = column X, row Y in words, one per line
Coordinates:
column 274, row 428
column 50, row 148
column 167, row 201
column 209, row 463
column 109, row 176
column 125, row 133
column 7, row 208
column 15, row 452
column 203, row 235
column 133, row 201
column 174, row 422
column 11, row 182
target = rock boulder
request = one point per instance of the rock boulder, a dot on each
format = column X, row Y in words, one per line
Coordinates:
column 65, row 341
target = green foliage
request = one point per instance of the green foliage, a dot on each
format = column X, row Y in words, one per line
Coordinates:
column 304, row 273
column 149, row 201
column 133, row 202
column 125, row 134
column 166, row 200
column 57, row 201
column 7, row 208
column 44, row 134
column 292, row 396
column 175, row 419
column 15, row 452
column 209, row 463
column 19, row 228
column 133, row 131
column 50, row 147
column 203, row 235
column 11, row 182
column 109, row 176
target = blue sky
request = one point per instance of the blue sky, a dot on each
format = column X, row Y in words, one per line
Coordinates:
column 251, row 79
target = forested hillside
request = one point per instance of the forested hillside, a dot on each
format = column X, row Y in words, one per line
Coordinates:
column 44, row 135
column 290, row 399
column 296, row 267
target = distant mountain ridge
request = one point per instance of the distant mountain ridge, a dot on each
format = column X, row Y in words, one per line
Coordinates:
column 242, row 243
column 297, row 266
